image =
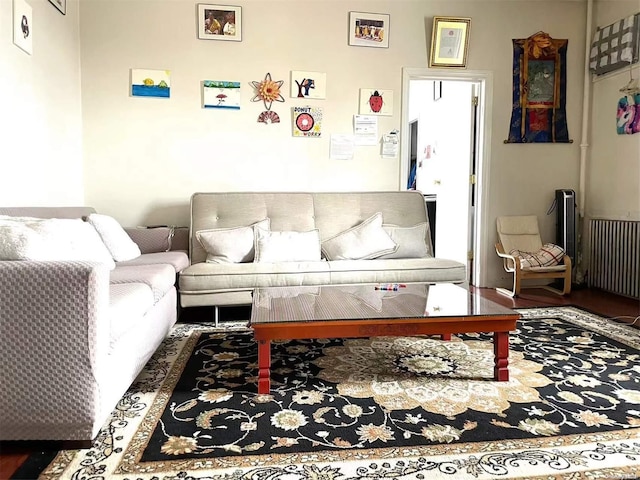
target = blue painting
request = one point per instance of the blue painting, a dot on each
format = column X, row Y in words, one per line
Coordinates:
column 150, row 83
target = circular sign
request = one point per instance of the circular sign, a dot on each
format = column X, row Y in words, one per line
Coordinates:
column 304, row 122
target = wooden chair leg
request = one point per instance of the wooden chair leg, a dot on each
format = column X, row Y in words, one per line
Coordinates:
column 517, row 283
column 567, row 283
column 516, row 287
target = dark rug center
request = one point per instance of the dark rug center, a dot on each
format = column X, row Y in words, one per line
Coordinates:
column 396, row 391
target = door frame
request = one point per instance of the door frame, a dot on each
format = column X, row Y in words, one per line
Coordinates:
column 481, row 227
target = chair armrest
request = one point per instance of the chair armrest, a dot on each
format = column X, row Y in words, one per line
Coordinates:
column 501, row 253
column 159, row 239
column 54, row 337
column 510, row 262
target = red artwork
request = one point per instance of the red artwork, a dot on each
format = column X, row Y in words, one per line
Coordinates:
column 376, row 101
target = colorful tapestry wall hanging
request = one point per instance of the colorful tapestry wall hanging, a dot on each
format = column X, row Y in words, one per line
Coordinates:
column 539, row 90
column 628, row 115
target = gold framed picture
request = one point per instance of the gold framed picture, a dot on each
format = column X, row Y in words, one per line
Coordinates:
column 450, row 42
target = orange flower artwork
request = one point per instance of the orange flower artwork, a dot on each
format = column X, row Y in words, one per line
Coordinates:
column 268, row 91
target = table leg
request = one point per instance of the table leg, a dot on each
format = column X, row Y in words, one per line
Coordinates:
column 445, row 337
column 501, row 353
column 264, row 366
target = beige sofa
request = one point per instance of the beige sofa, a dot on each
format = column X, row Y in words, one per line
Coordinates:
column 74, row 335
column 204, row 283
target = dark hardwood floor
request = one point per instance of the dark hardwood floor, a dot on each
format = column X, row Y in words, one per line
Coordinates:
column 620, row 309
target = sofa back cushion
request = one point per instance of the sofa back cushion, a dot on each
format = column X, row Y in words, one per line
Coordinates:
column 329, row 212
column 287, row 212
column 51, row 239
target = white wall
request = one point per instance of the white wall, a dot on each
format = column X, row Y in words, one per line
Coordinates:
column 145, row 157
column 613, row 173
column 40, row 115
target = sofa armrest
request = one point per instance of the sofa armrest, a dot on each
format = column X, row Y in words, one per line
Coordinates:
column 159, row 239
column 54, row 339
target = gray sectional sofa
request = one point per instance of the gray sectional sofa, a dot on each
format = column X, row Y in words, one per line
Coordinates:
column 74, row 334
column 212, row 279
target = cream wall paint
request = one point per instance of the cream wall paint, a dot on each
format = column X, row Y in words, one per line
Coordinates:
column 40, row 111
column 145, row 157
column 613, row 173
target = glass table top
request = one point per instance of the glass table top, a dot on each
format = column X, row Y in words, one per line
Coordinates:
column 369, row 301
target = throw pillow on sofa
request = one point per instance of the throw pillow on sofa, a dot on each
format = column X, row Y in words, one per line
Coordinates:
column 411, row 241
column 287, row 246
column 117, row 241
column 230, row 245
column 365, row 241
column 52, row 239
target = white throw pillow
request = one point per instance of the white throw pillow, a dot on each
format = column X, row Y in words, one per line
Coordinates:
column 364, row 241
column 287, row 246
column 230, row 245
column 411, row 241
column 118, row 242
column 54, row 239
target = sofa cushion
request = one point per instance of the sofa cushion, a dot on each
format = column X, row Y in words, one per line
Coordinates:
column 204, row 277
column 410, row 240
column 364, row 241
column 287, row 246
column 177, row 258
column 51, row 239
column 397, row 270
column 128, row 302
column 154, row 239
column 230, row 245
column 118, row 243
column 160, row 278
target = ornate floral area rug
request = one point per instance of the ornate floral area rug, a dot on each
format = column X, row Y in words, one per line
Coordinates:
column 388, row 407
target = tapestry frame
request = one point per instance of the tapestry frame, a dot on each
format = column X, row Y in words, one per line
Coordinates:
column 539, row 90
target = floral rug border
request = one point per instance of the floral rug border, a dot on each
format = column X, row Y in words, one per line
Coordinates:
column 614, row 454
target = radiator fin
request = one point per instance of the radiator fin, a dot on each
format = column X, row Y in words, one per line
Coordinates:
column 615, row 257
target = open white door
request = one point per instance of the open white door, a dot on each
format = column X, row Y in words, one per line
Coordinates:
column 451, row 158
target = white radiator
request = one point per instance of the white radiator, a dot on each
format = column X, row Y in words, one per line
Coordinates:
column 615, row 257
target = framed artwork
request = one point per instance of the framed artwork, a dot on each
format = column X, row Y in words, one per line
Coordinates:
column 150, row 83
column 221, row 94
column 23, row 26
column 374, row 101
column 307, row 122
column 449, row 42
column 369, row 29
column 308, row 84
column 60, row 5
column 219, row 22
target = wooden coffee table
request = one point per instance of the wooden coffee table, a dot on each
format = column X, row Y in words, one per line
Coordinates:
column 351, row 311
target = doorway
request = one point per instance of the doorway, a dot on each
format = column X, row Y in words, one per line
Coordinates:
column 443, row 152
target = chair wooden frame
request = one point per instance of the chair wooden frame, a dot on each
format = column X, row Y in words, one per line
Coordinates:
column 512, row 265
